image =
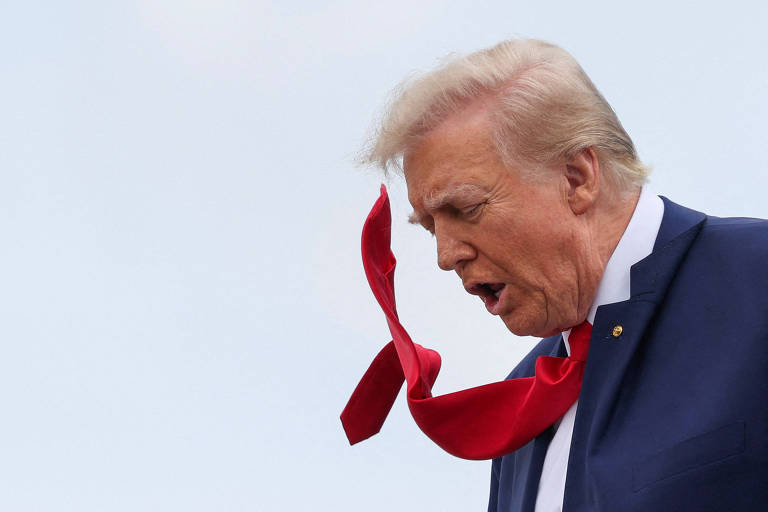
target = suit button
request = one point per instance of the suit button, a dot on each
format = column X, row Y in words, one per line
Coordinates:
column 617, row 331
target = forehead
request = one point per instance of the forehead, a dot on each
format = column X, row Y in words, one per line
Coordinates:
column 457, row 155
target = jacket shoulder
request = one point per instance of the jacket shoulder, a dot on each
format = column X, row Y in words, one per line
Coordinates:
column 735, row 241
column 736, row 230
column 738, row 244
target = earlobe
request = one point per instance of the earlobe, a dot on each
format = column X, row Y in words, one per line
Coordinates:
column 583, row 176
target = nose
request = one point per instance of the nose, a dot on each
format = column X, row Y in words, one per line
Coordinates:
column 451, row 250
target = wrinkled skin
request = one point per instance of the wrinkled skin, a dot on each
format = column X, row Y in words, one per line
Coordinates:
column 543, row 241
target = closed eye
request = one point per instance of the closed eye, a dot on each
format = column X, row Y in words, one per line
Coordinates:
column 472, row 210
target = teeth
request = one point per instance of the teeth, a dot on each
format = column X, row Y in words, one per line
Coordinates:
column 497, row 293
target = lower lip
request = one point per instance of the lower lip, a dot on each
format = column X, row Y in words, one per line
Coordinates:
column 492, row 304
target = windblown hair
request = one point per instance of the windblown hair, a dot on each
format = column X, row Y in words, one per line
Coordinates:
column 544, row 107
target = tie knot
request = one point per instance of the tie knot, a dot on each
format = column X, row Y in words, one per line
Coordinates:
column 579, row 340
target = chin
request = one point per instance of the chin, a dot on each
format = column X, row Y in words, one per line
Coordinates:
column 521, row 325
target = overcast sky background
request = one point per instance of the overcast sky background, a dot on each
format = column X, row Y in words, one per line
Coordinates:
column 183, row 312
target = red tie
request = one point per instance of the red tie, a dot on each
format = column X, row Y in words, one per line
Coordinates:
column 484, row 422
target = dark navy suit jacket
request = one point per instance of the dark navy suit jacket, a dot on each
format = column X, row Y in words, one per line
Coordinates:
column 673, row 414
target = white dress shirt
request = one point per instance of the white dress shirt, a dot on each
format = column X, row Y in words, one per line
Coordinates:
column 635, row 244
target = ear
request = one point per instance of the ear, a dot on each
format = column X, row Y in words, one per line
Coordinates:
column 583, row 175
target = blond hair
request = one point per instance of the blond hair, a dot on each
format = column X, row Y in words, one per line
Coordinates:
column 545, row 107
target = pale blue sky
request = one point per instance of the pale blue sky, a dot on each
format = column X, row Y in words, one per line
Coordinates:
column 183, row 311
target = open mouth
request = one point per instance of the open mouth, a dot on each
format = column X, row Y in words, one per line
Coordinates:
column 489, row 293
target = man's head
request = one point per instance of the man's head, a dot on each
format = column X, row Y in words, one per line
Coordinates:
column 523, row 173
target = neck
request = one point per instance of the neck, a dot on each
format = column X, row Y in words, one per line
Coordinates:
column 611, row 219
column 605, row 225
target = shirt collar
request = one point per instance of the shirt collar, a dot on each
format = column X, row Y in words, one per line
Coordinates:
column 635, row 244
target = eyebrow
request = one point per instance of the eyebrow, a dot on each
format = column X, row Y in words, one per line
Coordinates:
column 438, row 200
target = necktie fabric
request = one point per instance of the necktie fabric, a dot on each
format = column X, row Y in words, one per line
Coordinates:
column 479, row 423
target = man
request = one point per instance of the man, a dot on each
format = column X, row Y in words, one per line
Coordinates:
column 534, row 192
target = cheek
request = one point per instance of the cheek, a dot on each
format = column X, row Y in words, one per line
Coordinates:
column 524, row 261
column 527, row 248
column 529, row 317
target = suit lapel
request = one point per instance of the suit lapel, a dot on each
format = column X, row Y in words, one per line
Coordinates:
column 536, row 451
column 611, row 351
